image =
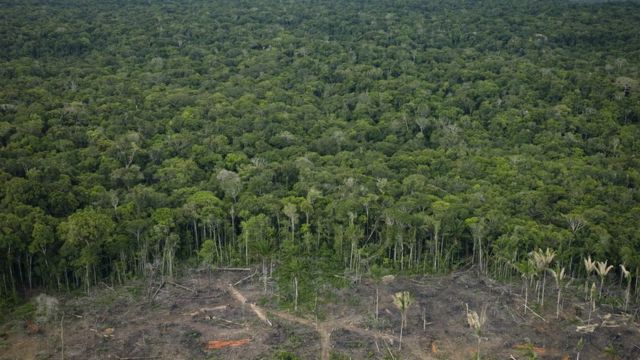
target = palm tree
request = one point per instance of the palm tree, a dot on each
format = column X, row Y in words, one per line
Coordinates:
column 590, row 267
column 558, row 276
column 626, row 274
column 402, row 300
column 542, row 261
column 602, row 270
column 528, row 270
column 592, row 301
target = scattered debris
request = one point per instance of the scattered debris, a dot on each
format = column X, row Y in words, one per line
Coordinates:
column 215, row 308
column 617, row 320
column 155, row 293
column 32, row 327
column 108, row 332
column 244, row 279
column 537, row 350
column 241, row 299
column 260, row 313
column 221, row 344
column 434, row 347
column 47, row 308
column 195, row 292
column 535, row 313
column 107, row 286
column 205, row 310
column 388, row 279
column 586, row 329
column 182, row 324
column 224, row 321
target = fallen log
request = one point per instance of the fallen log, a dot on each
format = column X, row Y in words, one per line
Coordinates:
column 214, row 318
column 183, row 287
column 203, row 310
column 215, row 308
column 233, row 269
column 537, row 350
column 243, row 300
column 157, row 291
column 244, row 279
column 221, row 344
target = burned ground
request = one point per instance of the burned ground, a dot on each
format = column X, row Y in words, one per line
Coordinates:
column 195, row 317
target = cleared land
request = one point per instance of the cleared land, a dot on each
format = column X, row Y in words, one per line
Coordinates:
column 206, row 316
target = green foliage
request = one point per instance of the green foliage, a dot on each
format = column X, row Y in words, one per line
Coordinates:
column 338, row 356
column 528, row 352
column 611, row 352
column 24, row 311
column 285, row 355
column 332, row 138
column 7, row 304
column 208, row 252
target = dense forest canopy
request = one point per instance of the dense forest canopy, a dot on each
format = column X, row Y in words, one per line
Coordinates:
column 323, row 136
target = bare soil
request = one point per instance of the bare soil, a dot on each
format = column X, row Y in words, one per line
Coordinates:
column 178, row 319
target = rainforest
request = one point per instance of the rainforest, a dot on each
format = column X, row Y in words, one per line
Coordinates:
column 325, row 145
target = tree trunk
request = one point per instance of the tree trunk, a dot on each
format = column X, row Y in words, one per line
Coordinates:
column 601, row 284
column 246, row 248
column 558, row 304
column 66, row 279
column 544, row 280
column 10, row 266
column 377, row 303
column 29, row 268
column 195, row 234
column 20, row 271
column 233, row 223
column 435, row 251
column 401, row 329
column 480, row 254
column 526, row 295
column 293, row 230
column 87, row 277
column 295, row 301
